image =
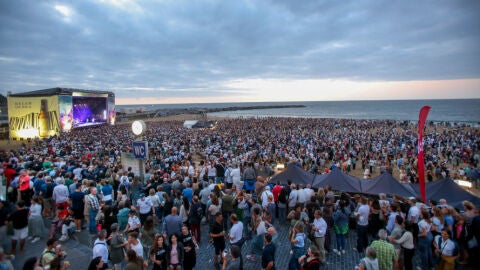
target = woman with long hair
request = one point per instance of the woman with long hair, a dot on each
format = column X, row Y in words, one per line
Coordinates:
column 311, row 260
column 175, row 253
column 133, row 261
column 425, row 239
column 96, row 263
column 147, row 234
column 185, row 210
column 158, row 254
column 407, row 244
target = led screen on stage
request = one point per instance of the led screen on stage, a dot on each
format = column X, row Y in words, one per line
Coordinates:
column 89, row 111
column 66, row 112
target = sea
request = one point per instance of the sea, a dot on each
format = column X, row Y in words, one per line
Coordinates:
column 442, row 110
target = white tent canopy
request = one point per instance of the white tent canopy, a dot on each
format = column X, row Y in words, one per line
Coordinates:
column 189, row 123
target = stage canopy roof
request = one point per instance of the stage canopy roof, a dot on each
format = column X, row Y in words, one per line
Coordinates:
column 294, row 173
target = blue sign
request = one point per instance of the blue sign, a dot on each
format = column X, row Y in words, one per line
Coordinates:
column 140, row 149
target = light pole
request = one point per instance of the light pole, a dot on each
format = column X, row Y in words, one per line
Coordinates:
column 140, row 147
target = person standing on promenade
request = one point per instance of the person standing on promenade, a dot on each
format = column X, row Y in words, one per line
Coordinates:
column 77, row 199
column 19, row 220
column 60, row 194
column 100, row 248
column 268, row 254
column 249, row 177
column 172, row 224
column 362, row 225
column 218, row 236
column 24, row 187
column 319, row 227
column 236, row 232
column 387, row 257
column 93, row 206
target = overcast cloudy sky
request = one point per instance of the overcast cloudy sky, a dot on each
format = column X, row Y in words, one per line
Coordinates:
column 174, row 51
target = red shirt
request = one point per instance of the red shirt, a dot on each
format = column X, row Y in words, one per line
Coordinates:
column 24, row 181
column 276, row 191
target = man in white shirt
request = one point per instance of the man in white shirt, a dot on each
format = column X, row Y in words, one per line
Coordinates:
column 265, row 195
column 145, row 207
column 100, row 247
column 135, row 244
column 308, row 192
column 362, row 225
column 413, row 212
column 320, row 229
column 302, row 197
column 236, row 232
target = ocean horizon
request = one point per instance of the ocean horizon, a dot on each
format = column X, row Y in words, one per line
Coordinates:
column 442, row 110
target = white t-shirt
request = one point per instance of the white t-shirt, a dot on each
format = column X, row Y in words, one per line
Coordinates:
column 35, row 210
column 100, row 249
column 414, row 213
column 236, row 232
column 138, row 248
column 293, row 198
column 363, row 211
column 144, row 205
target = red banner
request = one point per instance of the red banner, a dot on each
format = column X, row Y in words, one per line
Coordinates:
column 421, row 163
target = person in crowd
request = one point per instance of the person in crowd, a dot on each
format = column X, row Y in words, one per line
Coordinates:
column 445, row 250
column 31, row 263
column 361, row 216
column 259, row 228
column 145, row 207
column 311, row 260
column 68, row 225
column 6, row 262
column 134, row 262
column 19, row 220
column 195, row 218
column 117, row 247
column 135, row 244
column 406, row 242
column 93, row 206
column 175, row 253
column 147, row 233
column 133, row 224
column 172, row 224
column 425, row 239
column 370, row 262
column 340, row 221
column 49, row 253
column 35, row 220
column 319, row 228
column 387, row 257
column 100, row 247
column 96, row 264
column 77, row 199
column 397, row 233
column 236, row 232
column 218, row 236
column 297, row 241
column 268, row 254
column 158, row 254
column 184, row 210
column 234, row 262
column 190, row 247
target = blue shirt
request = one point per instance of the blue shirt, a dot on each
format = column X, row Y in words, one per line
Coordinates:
column 188, row 193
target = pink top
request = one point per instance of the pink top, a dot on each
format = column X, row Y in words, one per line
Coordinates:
column 174, row 255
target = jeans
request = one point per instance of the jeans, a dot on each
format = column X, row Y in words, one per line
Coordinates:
column 425, row 250
column 297, row 253
column 362, row 237
column 340, row 241
column 92, row 224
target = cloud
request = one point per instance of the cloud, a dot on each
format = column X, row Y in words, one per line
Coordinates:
column 174, row 49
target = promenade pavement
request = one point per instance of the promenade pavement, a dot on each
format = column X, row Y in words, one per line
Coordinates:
column 79, row 251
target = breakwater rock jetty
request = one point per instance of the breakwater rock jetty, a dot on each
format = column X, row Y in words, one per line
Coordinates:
column 197, row 110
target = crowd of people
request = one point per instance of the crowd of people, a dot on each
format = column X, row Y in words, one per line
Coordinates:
column 218, row 177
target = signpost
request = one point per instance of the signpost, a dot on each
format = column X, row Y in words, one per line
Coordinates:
column 140, row 148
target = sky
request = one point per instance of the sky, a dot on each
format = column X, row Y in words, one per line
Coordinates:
column 189, row 51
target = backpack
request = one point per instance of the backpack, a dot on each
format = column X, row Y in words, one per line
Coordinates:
column 43, row 254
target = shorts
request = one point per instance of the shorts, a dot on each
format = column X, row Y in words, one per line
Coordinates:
column 219, row 247
column 64, row 204
column 78, row 214
column 19, row 234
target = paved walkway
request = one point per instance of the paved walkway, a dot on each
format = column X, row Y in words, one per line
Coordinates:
column 80, row 252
